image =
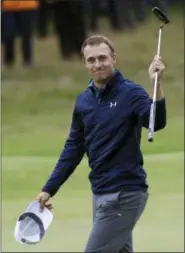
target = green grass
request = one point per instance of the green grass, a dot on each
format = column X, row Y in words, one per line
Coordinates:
column 160, row 228
column 36, row 114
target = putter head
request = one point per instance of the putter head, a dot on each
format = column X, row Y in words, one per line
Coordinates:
column 161, row 15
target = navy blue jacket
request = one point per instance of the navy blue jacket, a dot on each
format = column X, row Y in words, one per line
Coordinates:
column 108, row 130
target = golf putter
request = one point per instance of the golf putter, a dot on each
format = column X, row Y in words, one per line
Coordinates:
column 162, row 16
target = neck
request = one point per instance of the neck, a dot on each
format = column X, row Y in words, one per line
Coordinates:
column 99, row 85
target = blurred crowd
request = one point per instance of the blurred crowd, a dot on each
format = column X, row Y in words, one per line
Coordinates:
column 69, row 20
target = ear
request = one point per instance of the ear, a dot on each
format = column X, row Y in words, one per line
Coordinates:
column 114, row 58
column 83, row 61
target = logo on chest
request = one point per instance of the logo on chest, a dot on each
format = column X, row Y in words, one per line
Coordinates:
column 113, row 104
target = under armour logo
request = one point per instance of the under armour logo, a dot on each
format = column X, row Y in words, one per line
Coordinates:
column 113, row 104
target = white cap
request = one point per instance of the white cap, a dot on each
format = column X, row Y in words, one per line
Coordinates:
column 32, row 224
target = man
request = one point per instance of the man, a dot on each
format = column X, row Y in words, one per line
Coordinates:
column 120, row 13
column 106, row 125
column 68, row 18
column 70, row 26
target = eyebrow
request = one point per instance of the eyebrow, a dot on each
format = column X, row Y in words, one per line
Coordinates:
column 93, row 57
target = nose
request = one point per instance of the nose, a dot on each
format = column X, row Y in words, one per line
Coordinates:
column 97, row 63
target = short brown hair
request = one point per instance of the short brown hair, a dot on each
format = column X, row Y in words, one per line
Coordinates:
column 97, row 39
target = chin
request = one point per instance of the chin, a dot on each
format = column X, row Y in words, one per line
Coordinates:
column 102, row 78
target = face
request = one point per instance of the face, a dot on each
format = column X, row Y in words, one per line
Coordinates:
column 99, row 61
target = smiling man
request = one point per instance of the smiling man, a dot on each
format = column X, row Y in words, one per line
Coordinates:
column 106, row 125
column 99, row 61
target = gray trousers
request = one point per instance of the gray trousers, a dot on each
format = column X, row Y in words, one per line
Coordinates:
column 114, row 217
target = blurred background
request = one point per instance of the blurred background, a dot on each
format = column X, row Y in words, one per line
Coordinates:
column 42, row 73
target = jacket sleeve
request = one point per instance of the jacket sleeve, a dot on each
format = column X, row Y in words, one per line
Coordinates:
column 70, row 157
column 141, row 103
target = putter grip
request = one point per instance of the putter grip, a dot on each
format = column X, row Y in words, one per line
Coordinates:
column 151, row 121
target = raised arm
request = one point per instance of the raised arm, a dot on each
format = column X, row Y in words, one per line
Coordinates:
column 141, row 104
column 142, row 101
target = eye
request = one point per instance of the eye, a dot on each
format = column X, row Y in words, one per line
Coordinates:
column 90, row 60
column 102, row 57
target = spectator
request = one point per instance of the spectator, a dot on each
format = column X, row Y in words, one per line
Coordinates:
column 92, row 13
column 70, row 26
column 45, row 16
column 120, row 14
column 18, row 18
column 68, row 18
column 139, row 10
